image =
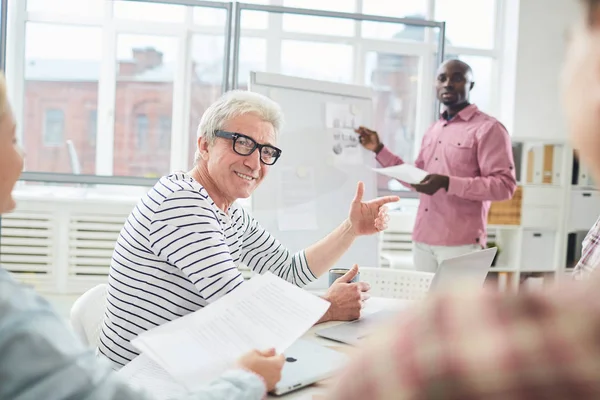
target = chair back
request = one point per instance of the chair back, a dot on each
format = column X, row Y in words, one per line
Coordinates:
column 87, row 315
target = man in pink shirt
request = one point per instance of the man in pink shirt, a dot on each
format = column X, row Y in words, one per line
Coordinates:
column 468, row 157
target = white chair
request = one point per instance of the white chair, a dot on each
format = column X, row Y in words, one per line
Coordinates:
column 395, row 243
column 87, row 315
column 397, row 283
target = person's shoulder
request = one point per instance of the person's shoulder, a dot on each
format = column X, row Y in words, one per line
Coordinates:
column 487, row 122
column 15, row 296
column 179, row 185
column 239, row 214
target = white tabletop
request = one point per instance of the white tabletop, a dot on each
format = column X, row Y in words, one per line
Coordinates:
column 374, row 304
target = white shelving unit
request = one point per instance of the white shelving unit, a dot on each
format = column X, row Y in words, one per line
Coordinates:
column 551, row 208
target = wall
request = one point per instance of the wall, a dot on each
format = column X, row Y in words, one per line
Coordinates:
column 530, row 95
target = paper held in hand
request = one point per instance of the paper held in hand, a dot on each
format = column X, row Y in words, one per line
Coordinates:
column 405, row 172
column 262, row 313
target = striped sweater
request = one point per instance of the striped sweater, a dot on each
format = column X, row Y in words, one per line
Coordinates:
column 178, row 252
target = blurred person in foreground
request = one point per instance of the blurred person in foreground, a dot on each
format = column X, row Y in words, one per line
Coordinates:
column 492, row 346
column 41, row 359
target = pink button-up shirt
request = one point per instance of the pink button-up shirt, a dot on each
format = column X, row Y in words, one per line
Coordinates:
column 474, row 150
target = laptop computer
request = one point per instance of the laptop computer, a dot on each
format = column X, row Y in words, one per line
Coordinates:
column 307, row 363
column 471, row 268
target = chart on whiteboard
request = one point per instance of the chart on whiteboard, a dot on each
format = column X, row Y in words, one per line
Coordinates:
column 341, row 120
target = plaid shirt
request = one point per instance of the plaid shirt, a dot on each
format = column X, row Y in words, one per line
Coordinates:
column 590, row 255
column 486, row 345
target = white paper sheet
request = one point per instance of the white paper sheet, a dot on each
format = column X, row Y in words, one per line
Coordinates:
column 405, row 173
column 143, row 373
column 262, row 313
column 345, row 147
column 297, row 200
column 341, row 115
column 341, row 120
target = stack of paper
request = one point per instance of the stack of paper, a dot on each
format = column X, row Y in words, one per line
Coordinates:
column 405, row 173
column 262, row 313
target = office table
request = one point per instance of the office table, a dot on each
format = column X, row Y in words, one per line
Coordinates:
column 316, row 391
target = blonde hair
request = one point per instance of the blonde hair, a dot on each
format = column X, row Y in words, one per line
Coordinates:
column 3, row 96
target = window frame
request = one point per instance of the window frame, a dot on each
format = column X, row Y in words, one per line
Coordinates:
column 18, row 15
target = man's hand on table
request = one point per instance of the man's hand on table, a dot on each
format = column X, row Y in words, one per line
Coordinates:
column 347, row 299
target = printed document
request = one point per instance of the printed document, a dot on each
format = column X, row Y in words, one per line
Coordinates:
column 405, row 173
column 262, row 313
column 144, row 374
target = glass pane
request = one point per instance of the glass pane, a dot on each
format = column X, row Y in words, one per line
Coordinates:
column 217, row 17
column 329, row 5
column 387, row 31
column 88, row 8
column 399, row 9
column 207, row 78
column 62, row 68
column 149, row 12
column 253, row 57
column 463, row 17
column 254, row 19
column 324, row 61
column 394, row 79
column 482, row 72
column 144, row 101
column 210, row 16
column 320, row 25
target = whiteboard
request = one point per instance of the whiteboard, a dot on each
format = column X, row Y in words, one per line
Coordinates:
column 309, row 190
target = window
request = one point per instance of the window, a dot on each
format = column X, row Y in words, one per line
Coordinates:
column 146, row 66
column 469, row 23
column 320, row 25
column 164, row 131
column 87, row 8
column 141, row 130
column 54, row 127
column 207, row 70
column 63, row 78
column 66, row 62
column 148, row 11
column 216, row 17
column 253, row 57
column 398, row 9
column 325, row 61
column 395, row 79
column 92, row 127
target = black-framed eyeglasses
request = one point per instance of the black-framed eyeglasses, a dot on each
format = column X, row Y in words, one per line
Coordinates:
column 245, row 145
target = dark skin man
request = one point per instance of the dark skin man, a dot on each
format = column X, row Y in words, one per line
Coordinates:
column 454, row 83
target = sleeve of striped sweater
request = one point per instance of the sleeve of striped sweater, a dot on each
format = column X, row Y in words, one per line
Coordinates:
column 262, row 252
column 185, row 231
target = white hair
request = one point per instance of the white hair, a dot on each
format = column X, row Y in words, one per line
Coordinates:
column 232, row 104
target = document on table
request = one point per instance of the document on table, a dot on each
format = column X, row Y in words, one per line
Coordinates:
column 404, row 172
column 262, row 313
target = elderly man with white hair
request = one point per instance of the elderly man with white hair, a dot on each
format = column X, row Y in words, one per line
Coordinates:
column 180, row 248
